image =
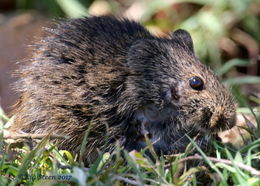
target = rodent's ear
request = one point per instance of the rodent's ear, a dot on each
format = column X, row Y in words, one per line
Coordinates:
column 183, row 38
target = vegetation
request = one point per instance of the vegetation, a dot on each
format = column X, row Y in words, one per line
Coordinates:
column 226, row 36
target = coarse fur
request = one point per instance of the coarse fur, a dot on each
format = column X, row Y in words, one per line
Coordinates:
column 113, row 74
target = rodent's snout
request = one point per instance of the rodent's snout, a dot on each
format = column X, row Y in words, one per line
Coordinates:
column 222, row 120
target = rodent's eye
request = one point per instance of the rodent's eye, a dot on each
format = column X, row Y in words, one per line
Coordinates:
column 196, row 83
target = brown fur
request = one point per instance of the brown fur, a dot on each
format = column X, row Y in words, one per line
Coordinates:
column 126, row 82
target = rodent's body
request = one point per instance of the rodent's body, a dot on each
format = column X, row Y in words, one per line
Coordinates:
column 127, row 83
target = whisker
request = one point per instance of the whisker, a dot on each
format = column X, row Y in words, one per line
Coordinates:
column 182, row 137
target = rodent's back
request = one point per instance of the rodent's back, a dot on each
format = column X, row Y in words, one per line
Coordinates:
column 97, row 37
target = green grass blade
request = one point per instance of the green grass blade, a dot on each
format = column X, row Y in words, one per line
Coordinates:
column 243, row 80
column 206, row 158
column 72, row 8
column 230, row 64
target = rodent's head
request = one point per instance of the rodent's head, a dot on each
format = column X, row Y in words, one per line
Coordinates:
column 166, row 74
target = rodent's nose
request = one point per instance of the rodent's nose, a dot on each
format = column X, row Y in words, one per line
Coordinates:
column 221, row 122
column 217, row 121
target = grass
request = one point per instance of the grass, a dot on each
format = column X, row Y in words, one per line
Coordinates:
column 45, row 164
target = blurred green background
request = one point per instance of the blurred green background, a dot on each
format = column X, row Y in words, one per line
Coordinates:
column 226, row 33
